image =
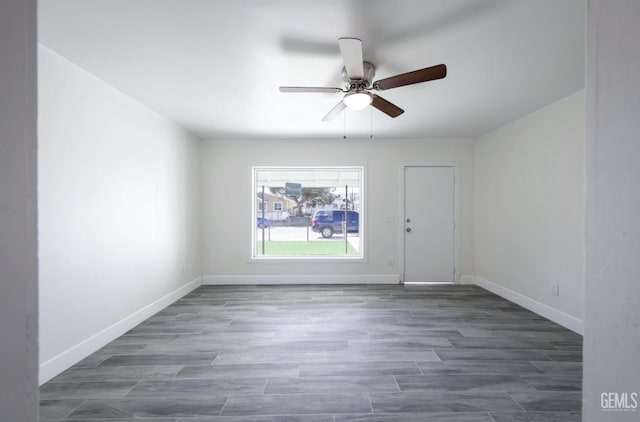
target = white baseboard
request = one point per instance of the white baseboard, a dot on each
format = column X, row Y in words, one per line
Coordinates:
column 555, row 315
column 223, row 280
column 467, row 279
column 71, row 356
column 75, row 354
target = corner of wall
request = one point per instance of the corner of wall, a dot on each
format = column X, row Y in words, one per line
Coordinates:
column 466, row 280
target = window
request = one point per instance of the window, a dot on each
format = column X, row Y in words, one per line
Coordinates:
column 316, row 213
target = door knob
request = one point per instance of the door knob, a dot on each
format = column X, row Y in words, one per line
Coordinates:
column 408, row 229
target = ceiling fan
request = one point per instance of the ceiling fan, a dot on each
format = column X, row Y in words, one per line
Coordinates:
column 358, row 74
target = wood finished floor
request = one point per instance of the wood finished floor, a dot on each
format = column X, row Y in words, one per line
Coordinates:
column 329, row 354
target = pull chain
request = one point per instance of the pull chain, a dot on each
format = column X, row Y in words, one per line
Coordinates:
column 370, row 122
column 344, row 125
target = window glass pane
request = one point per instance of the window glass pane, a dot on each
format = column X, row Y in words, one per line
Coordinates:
column 307, row 216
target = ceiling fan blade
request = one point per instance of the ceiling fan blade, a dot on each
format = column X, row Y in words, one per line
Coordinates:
column 335, row 111
column 308, row 89
column 409, row 78
column 351, row 49
column 385, row 106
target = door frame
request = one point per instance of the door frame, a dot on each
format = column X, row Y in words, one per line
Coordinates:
column 456, row 214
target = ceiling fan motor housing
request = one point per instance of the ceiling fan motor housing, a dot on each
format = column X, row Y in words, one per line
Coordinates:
column 359, row 84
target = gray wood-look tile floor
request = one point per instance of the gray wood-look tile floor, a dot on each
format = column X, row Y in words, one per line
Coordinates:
column 366, row 353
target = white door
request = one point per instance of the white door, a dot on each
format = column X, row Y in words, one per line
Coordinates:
column 429, row 209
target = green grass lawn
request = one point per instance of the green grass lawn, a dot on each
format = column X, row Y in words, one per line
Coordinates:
column 292, row 247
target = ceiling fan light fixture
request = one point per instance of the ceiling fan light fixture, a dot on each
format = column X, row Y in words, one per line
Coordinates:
column 358, row 100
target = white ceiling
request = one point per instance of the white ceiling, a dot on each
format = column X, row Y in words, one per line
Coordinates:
column 214, row 66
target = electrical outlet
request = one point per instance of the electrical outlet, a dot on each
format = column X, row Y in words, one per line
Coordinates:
column 555, row 289
column 391, row 261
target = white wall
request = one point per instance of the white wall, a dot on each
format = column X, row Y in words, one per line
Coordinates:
column 18, row 258
column 530, row 209
column 118, row 216
column 226, row 179
column 612, row 323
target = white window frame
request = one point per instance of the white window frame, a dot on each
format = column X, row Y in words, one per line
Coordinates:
column 361, row 257
column 277, row 208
